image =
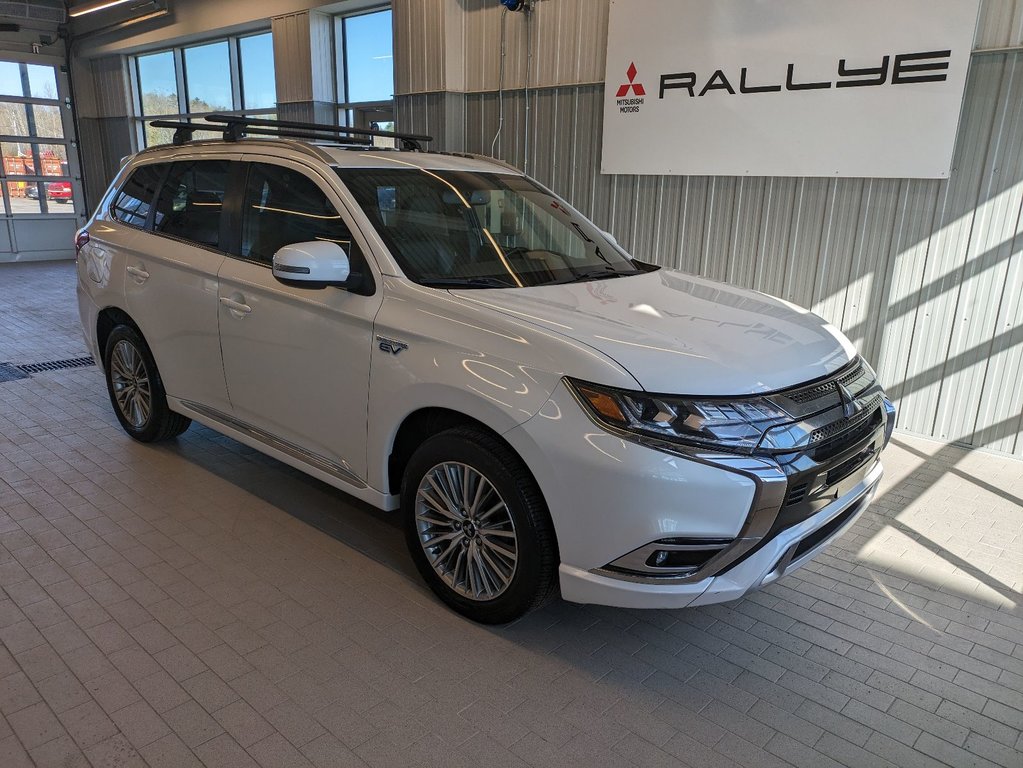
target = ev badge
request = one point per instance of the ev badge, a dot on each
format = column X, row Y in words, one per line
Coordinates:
column 391, row 346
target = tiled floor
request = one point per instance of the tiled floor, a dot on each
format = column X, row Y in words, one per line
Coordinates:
column 195, row 603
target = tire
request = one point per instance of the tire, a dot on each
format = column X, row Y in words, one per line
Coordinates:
column 136, row 389
column 509, row 515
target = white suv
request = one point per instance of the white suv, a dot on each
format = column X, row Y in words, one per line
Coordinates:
column 442, row 335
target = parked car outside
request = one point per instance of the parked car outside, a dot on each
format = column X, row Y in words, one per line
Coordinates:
column 60, row 191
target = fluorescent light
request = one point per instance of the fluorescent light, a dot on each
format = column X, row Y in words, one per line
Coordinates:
column 81, row 10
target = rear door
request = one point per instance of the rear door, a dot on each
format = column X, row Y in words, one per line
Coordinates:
column 297, row 359
column 171, row 278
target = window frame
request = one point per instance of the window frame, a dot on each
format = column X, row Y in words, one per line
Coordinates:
column 235, row 65
column 344, row 108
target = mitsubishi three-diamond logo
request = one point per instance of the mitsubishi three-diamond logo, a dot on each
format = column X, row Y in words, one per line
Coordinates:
column 632, row 85
column 625, row 104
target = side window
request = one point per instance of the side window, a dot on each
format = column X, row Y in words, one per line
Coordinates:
column 191, row 201
column 283, row 206
column 133, row 202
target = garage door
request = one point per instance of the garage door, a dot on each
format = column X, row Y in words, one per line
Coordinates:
column 39, row 174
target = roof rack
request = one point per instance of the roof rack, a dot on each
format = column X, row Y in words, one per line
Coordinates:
column 234, row 127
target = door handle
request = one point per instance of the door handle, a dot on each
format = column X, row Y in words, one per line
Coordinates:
column 237, row 308
column 139, row 274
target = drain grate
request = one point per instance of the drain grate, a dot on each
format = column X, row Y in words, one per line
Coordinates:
column 57, row 365
column 10, row 372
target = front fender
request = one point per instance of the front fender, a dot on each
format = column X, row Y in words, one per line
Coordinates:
column 432, row 350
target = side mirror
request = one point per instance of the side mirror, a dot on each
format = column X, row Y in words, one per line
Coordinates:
column 610, row 237
column 314, row 264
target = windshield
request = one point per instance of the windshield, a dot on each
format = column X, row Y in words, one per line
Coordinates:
column 482, row 230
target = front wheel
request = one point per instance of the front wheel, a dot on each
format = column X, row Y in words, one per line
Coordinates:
column 136, row 390
column 477, row 526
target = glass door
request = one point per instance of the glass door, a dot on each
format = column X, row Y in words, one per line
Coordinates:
column 40, row 176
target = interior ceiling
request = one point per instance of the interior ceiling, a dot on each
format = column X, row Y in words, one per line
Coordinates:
column 119, row 14
column 27, row 24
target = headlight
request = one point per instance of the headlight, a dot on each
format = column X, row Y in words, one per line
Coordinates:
column 732, row 425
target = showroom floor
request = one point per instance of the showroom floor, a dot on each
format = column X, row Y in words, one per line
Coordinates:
column 196, row 603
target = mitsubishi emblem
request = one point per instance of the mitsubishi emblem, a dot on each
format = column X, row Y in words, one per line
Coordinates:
column 849, row 405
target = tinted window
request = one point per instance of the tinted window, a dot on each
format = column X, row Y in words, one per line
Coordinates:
column 136, row 197
column 282, row 207
column 191, row 201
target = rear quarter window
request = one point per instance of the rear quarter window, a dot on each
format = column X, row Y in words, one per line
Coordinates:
column 132, row 204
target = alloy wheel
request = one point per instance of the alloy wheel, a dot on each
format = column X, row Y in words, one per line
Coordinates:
column 130, row 382
column 466, row 530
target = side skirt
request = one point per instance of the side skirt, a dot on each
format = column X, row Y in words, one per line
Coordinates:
column 312, row 464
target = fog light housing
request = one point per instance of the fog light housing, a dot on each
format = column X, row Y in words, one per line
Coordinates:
column 667, row 558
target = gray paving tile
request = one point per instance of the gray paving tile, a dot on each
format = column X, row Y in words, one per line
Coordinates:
column 88, row 724
column 170, row 752
column 140, row 723
column 243, row 723
column 62, row 752
column 35, row 725
column 192, row 724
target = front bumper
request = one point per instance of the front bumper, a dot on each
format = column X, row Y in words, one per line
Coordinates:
column 781, row 554
column 615, row 502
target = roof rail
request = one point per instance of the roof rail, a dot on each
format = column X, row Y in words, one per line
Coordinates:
column 234, row 127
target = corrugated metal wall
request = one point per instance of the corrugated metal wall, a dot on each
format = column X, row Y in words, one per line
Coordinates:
column 103, row 103
column 569, row 42
column 1000, row 24
column 925, row 276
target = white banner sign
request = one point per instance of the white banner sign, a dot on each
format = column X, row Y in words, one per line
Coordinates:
column 785, row 87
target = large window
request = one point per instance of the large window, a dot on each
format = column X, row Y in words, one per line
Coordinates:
column 234, row 75
column 365, row 69
column 35, row 172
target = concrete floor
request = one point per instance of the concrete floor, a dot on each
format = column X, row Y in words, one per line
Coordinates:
column 195, row 603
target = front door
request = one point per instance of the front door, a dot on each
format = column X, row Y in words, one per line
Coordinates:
column 296, row 359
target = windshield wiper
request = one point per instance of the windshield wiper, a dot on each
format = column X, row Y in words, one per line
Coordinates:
column 467, row 282
column 598, row 274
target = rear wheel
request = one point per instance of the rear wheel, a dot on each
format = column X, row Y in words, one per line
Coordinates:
column 136, row 390
column 477, row 527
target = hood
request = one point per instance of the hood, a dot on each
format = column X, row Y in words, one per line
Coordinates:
column 680, row 334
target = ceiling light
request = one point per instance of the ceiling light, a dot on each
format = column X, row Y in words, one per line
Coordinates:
column 81, row 10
